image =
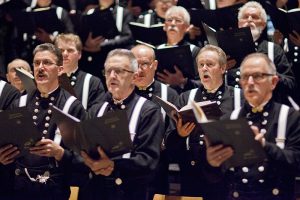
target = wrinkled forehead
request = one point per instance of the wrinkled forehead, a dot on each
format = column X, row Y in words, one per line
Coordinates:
column 254, row 64
column 117, row 61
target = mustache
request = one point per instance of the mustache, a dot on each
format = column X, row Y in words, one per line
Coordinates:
column 172, row 28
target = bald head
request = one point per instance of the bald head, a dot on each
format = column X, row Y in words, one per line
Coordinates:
column 11, row 74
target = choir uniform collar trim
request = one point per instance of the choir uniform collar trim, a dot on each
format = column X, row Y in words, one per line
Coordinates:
column 69, row 74
column 120, row 104
column 147, row 87
column 47, row 95
column 73, row 76
column 217, row 95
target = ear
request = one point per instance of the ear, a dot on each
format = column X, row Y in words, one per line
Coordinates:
column 60, row 70
column 154, row 65
column 275, row 80
column 223, row 68
column 135, row 76
column 79, row 55
column 189, row 27
column 7, row 77
column 165, row 28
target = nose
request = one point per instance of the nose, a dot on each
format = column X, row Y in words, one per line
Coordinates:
column 250, row 80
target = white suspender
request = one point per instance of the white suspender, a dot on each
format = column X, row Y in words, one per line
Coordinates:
column 147, row 19
column 69, row 102
column 119, row 18
column 212, row 4
column 2, row 84
column 191, row 98
column 282, row 122
column 235, row 113
column 164, row 96
column 271, row 51
column 59, row 11
column 237, row 98
column 33, row 3
column 23, row 100
column 85, row 90
column 192, row 47
column 192, row 95
column 102, row 109
column 134, row 120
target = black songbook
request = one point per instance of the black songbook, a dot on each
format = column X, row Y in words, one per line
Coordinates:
column 110, row 132
column 64, row 82
column 153, row 34
column 210, row 108
column 180, row 56
column 236, row 43
column 219, row 19
column 27, row 79
column 99, row 23
column 17, row 128
column 238, row 135
column 44, row 18
column 286, row 21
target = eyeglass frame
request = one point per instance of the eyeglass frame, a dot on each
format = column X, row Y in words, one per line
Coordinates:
column 120, row 69
column 46, row 63
column 257, row 77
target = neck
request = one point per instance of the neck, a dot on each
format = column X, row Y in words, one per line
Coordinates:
column 174, row 40
column 122, row 96
column 46, row 89
column 214, row 88
column 145, row 84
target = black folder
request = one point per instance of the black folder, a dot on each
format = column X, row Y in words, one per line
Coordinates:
column 219, row 19
column 17, row 128
column 99, row 23
column 238, row 135
column 153, row 34
column 27, row 80
column 45, row 18
column 236, row 43
column 180, row 56
column 284, row 21
column 109, row 131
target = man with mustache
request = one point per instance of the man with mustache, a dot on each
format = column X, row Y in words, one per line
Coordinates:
column 188, row 145
column 253, row 15
column 177, row 24
column 11, row 75
column 125, row 177
column 88, row 88
column 275, row 126
column 43, row 173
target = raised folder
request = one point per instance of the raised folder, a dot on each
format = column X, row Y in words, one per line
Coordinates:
column 286, row 21
column 110, row 132
column 236, row 43
column 179, row 56
column 210, row 108
column 17, row 128
column 153, row 34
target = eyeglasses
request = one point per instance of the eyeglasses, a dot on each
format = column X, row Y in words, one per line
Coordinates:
column 145, row 65
column 257, row 77
column 117, row 71
column 45, row 63
column 177, row 20
column 208, row 65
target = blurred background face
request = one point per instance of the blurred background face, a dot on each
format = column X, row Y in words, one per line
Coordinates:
column 161, row 7
column 119, row 76
column 44, row 3
column 147, row 66
column 70, row 54
column 11, row 73
column 259, row 91
column 210, row 70
column 175, row 25
column 251, row 18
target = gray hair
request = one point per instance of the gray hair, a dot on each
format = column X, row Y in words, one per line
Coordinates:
column 182, row 10
column 126, row 53
column 270, row 64
column 218, row 50
column 52, row 49
column 253, row 4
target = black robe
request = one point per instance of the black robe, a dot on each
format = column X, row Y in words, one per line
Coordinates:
column 136, row 171
column 277, row 174
column 57, row 187
column 8, row 95
column 194, row 169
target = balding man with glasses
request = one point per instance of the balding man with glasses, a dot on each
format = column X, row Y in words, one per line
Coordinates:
column 275, row 126
column 125, row 177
